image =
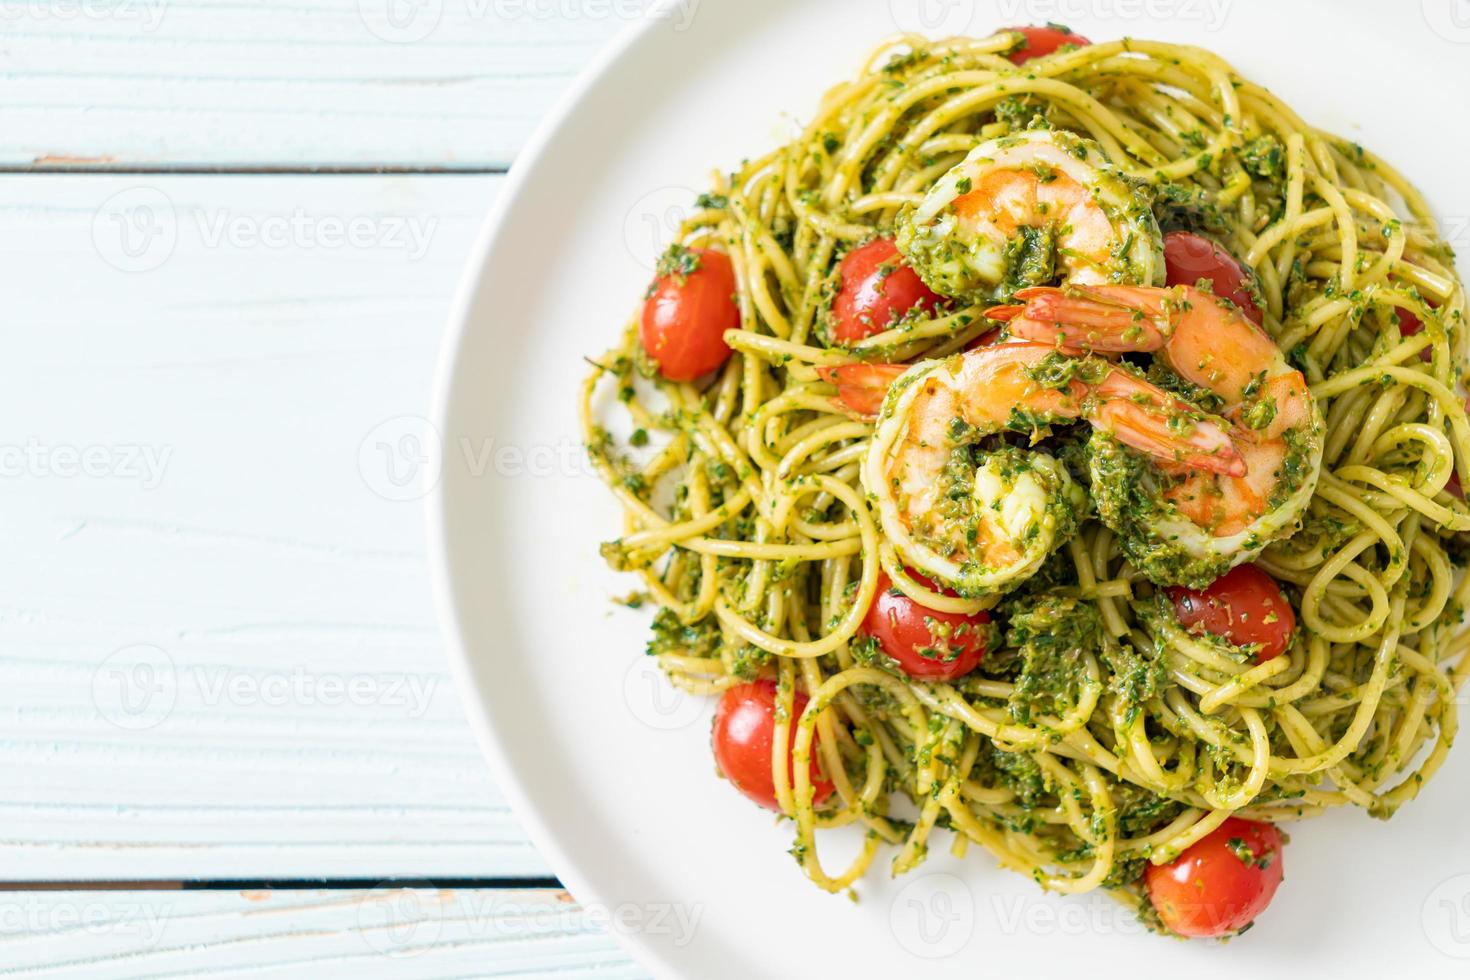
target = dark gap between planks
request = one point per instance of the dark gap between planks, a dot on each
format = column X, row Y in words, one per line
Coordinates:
column 282, row 884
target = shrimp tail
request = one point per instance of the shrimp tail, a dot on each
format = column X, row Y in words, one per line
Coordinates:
column 1208, row 448
column 861, row 388
column 1004, row 314
column 1147, row 418
column 1111, row 319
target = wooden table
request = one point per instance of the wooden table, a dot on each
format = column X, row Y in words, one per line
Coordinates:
column 230, row 740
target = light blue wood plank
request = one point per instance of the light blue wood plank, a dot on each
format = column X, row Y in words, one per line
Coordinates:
column 389, row 931
column 227, row 83
column 218, row 653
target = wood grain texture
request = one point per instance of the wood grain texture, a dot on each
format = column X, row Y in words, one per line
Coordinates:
column 388, row 931
column 218, row 655
column 305, row 83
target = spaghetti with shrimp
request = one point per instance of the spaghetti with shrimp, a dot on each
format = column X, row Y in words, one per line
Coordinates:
column 1057, row 448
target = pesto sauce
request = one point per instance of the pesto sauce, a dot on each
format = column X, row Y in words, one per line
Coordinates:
column 1126, row 489
column 1051, row 633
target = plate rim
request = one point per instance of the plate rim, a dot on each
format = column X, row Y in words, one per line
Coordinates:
column 457, row 324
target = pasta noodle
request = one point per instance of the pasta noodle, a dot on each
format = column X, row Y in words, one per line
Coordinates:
column 748, row 520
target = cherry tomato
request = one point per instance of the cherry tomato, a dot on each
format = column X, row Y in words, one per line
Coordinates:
column 1043, row 41
column 1244, row 605
column 687, row 312
column 926, row 643
column 1188, row 258
column 1219, row 884
column 745, row 726
column 876, row 289
column 862, row 387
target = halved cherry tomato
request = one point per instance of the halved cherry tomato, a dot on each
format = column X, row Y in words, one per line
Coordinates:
column 745, row 727
column 862, row 387
column 1219, row 884
column 1188, row 258
column 877, row 288
column 1245, row 606
column 688, row 310
column 1043, row 41
column 926, row 643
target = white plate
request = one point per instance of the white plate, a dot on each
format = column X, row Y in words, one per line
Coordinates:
column 611, row 774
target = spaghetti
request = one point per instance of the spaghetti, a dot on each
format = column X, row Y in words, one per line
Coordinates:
column 1099, row 735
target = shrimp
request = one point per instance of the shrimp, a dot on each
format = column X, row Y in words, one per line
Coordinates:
column 1179, row 524
column 981, row 522
column 1025, row 210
